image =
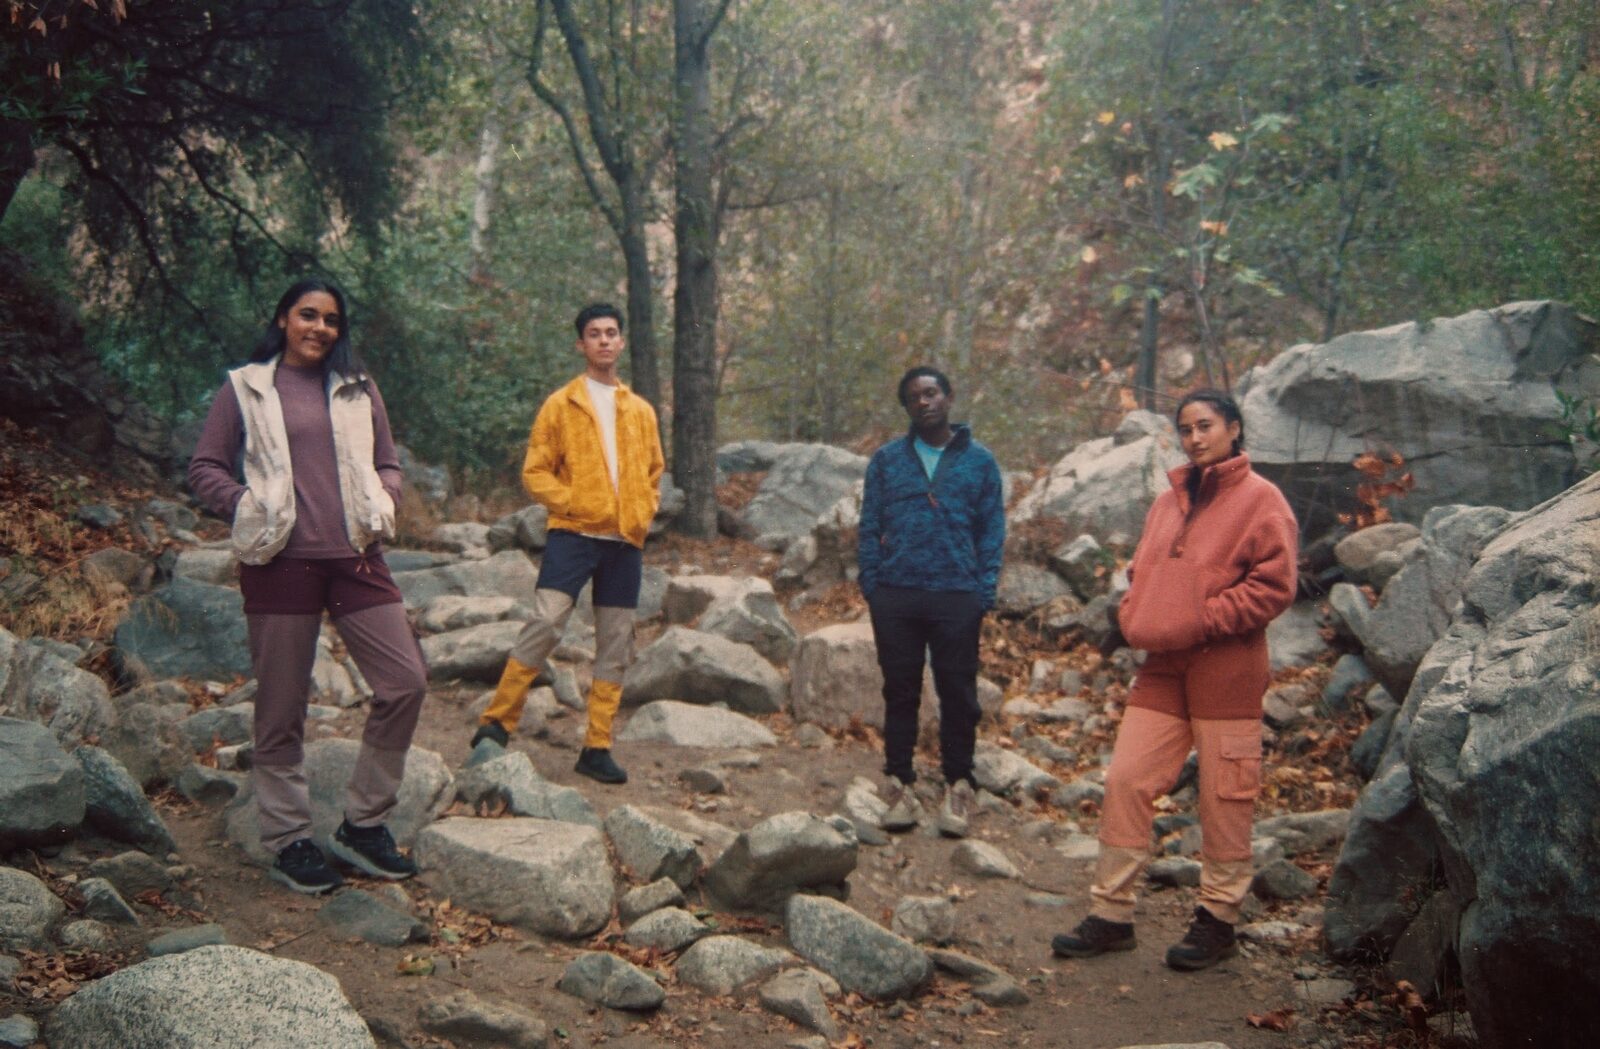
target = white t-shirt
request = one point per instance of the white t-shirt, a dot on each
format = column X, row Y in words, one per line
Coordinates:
column 604, row 399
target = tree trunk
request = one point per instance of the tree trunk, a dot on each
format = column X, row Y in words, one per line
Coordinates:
column 694, row 303
column 483, row 192
column 1149, row 331
column 16, row 159
column 642, row 356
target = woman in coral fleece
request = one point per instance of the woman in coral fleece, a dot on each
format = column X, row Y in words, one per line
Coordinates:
column 321, row 483
column 1215, row 564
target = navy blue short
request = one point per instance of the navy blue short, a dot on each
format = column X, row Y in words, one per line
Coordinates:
column 571, row 560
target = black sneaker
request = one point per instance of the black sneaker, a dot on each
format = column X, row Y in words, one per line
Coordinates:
column 1208, row 941
column 490, row 730
column 596, row 763
column 372, row 850
column 1094, row 936
column 302, row 867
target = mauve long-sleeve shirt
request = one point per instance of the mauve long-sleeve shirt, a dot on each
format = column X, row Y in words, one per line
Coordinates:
column 319, row 530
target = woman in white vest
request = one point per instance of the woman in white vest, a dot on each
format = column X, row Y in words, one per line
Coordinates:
column 321, row 481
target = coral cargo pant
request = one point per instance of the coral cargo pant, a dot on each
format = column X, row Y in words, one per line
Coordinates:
column 1161, row 725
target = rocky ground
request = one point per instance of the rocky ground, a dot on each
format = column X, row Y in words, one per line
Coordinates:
column 468, row 955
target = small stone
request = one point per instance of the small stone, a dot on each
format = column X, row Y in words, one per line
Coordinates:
column 636, row 903
column 1282, row 880
column 357, row 914
column 797, row 995
column 703, row 780
column 813, row 737
column 1079, row 847
column 925, row 919
column 1324, row 991
column 1049, row 901
column 208, row 786
column 180, row 940
column 1177, row 872
column 668, row 929
column 1000, row 990
column 721, row 964
column 984, row 860
column 18, row 1031
column 132, row 872
column 1270, row 932
column 102, row 902
column 610, row 981
column 470, row 1019
column 86, row 934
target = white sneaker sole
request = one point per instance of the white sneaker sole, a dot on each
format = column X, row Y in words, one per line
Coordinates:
column 308, row 890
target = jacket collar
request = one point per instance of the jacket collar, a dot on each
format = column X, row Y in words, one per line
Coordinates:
column 1214, row 479
column 577, row 391
column 960, row 437
column 261, row 375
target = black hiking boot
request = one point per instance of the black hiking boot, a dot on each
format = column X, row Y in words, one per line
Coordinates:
column 372, row 851
column 302, row 867
column 490, row 730
column 597, row 764
column 1208, row 941
column 1094, row 936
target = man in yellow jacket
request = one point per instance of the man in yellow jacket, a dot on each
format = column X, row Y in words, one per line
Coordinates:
column 594, row 461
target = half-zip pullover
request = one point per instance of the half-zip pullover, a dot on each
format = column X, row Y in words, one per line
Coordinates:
column 945, row 532
column 1221, row 565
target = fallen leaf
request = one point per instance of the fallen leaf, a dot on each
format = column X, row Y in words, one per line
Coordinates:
column 1276, row 1020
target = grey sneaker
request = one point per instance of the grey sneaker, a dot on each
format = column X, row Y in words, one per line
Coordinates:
column 905, row 811
column 955, row 810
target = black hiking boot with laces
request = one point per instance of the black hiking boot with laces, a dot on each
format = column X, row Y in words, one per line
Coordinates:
column 1094, row 936
column 1208, row 941
column 490, row 730
column 597, row 764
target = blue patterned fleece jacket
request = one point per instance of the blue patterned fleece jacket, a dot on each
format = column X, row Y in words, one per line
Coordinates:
column 944, row 533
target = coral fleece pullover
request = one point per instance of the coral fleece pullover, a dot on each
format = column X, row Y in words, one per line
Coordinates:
column 1220, row 567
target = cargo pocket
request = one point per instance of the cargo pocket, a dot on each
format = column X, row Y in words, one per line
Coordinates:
column 1239, row 774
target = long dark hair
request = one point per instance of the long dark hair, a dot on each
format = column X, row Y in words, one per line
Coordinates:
column 342, row 359
column 1222, row 404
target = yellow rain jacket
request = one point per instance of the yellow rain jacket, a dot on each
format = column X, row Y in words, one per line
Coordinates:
column 565, row 468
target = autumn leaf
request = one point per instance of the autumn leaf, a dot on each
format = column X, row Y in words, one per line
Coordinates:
column 1088, row 255
column 1221, row 140
column 1105, row 118
column 1132, row 181
column 1219, row 228
column 415, row 965
column 1276, row 1020
column 1126, row 400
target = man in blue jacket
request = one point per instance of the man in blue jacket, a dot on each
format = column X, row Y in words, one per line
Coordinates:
column 932, row 529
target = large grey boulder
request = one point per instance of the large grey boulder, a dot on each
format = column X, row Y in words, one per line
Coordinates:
column 697, row 667
column 185, row 629
column 474, row 653
column 1294, row 639
column 220, row 725
column 1502, row 749
column 27, row 910
column 827, row 555
column 650, row 848
column 426, row 790
column 524, row 529
column 1105, row 486
column 551, row 877
column 745, row 457
column 116, row 805
column 1024, row 587
column 214, row 565
column 1389, row 859
column 804, row 481
column 508, row 573
column 1419, row 600
column 863, row 956
column 210, row 998
column 38, row 685
column 1370, row 555
column 750, row 615
column 722, row 964
column 510, row 780
column 42, row 798
column 780, row 856
column 146, row 739
column 1468, row 402
column 835, row 679
column 691, row 725
column 457, row 612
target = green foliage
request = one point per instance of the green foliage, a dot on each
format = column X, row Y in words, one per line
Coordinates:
column 1580, row 425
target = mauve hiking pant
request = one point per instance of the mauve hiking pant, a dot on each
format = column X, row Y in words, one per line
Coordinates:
column 283, row 648
column 916, row 627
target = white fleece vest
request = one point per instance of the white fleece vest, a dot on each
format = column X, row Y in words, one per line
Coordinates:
column 265, row 515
